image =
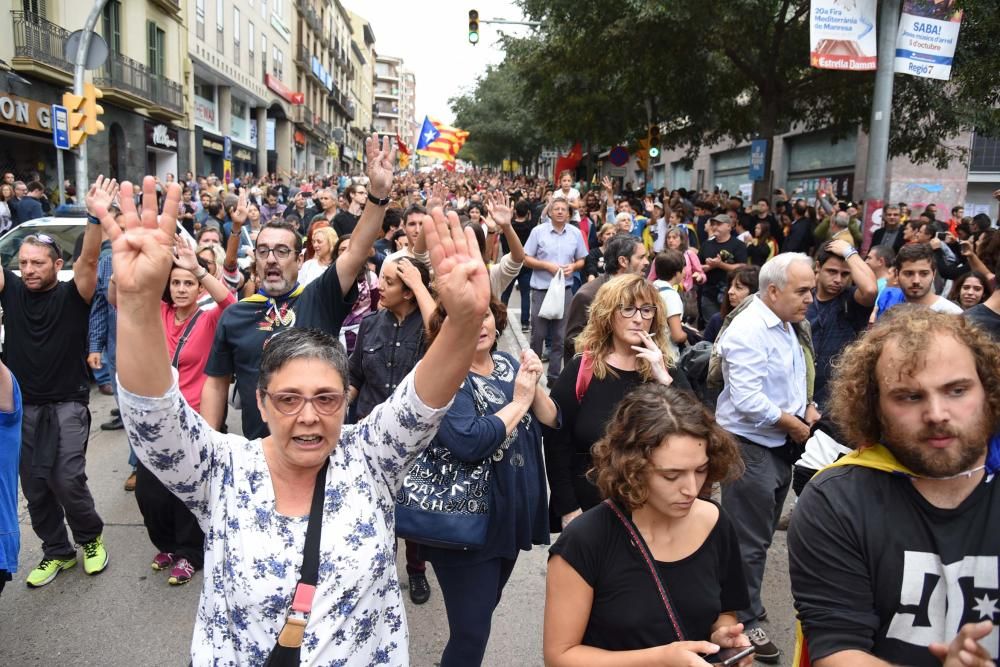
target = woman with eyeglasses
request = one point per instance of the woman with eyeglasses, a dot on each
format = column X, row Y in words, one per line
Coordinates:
column 332, row 597
column 623, row 345
column 653, row 575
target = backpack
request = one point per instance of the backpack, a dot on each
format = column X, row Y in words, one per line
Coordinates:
column 694, row 362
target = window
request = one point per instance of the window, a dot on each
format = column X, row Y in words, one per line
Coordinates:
column 236, row 36
column 199, row 18
column 154, row 44
column 263, row 8
column 279, row 8
column 263, row 52
column 220, row 25
column 113, row 26
column 251, row 38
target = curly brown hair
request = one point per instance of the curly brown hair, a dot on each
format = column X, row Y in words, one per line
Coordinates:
column 597, row 337
column 643, row 420
column 854, row 389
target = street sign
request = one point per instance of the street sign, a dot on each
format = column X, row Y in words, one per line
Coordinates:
column 758, row 154
column 60, row 127
column 97, row 49
column 618, row 156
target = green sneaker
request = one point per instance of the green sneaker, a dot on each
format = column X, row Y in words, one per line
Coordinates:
column 95, row 556
column 48, row 569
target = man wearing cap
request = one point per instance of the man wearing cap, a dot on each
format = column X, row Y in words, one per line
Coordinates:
column 720, row 255
column 46, row 347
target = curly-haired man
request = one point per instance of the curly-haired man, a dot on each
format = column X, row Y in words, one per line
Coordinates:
column 894, row 551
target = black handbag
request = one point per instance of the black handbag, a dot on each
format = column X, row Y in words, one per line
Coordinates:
column 444, row 502
column 287, row 649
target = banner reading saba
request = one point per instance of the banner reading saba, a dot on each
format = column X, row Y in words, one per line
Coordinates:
column 928, row 33
column 842, row 34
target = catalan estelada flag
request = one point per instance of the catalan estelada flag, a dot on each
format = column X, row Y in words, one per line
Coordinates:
column 440, row 141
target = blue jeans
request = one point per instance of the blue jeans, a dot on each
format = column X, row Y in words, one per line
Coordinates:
column 523, row 282
column 102, row 375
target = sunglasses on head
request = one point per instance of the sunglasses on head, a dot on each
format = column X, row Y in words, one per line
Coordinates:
column 49, row 241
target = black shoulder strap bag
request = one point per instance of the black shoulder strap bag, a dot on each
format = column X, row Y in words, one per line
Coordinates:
column 286, row 652
column 184, row 337
column 640, row 544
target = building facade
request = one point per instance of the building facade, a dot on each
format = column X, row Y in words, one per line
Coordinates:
column 388, row 94
column 145, row 116
column 241, row 82
column 408, row 127
column 362, row 90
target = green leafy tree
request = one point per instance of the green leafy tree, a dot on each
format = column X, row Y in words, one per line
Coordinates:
column 502, row 124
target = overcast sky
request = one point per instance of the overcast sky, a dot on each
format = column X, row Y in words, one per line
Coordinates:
column 432, row 39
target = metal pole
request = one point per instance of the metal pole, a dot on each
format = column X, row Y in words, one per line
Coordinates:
column 61, row 175
column 878, row 136
column 82, row 182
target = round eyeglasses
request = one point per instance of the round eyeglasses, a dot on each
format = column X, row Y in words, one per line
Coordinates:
column 647, row 312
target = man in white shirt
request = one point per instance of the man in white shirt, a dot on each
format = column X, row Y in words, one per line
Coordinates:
column 915, row 270
column 764, row 405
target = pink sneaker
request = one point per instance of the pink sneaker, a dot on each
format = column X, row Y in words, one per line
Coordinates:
column 162, row 561
column 182, row 572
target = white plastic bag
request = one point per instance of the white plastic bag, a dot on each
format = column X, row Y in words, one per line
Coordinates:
column 555, row 299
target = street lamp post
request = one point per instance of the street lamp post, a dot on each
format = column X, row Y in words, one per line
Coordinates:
column 79, row 67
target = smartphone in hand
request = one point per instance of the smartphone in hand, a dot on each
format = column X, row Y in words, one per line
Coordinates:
column 729, row 656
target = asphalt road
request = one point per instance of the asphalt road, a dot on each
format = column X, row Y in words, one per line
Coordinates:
column 129, row 615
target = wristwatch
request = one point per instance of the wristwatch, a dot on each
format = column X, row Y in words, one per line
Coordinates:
column 378, row 202
column 201, row 276
column 850, row 253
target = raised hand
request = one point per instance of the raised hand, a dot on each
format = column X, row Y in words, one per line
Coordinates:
column 462, row 281
column 381, row 163
column 142, row 253
column 498, row 205
column 184, row 255
column 102, row 193
column 606, row 185
column 241, row 212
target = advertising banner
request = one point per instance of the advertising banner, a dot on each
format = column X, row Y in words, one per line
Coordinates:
column 842, row 35
column 928, row 33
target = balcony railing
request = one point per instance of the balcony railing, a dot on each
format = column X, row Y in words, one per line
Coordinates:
column 305, row 117
column 39, row 39
column 303, row 58
column 122, row 73
column 324, row 128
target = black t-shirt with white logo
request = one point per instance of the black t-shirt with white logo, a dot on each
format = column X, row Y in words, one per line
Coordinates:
column 45, row 340
column 875, row 567
column 246, row 326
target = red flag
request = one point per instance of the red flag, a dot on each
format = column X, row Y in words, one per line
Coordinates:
column 401, row 146
column 570, row 161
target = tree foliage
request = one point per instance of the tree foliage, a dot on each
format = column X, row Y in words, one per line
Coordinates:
column 735, row 70
column 500, row 124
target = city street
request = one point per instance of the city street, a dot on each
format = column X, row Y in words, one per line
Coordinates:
column 129, row 615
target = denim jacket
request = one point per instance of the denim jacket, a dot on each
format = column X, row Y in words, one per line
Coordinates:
column 385, row 351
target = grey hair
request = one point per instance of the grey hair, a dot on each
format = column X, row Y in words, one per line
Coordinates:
column 290, row 344
column 841, row 219
column 775, row 270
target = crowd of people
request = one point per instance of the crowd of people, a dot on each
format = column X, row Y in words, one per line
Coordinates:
column 691, row 358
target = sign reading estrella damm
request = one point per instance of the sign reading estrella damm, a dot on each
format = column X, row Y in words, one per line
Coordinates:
column 928, row 34
column 842, row 35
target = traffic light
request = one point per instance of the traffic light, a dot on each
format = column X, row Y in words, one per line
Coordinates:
column 654, row 134
column 642, row 154
column 73, row 105
column 473, row 27
column 91, row 109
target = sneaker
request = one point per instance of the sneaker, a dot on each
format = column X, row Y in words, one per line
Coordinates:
column 764, row 648
column 525, row 328
column 130, row 482
column 162, row 561
column 420, row 590
column 48, row 569
column 95, row 556
column 182, row 572
column 114, row 425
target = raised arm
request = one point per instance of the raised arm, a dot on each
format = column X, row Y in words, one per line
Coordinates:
column 380, row 165
column 186, row 259
column 236, row 218
column 498, row 204
column 101, row 194
column 463, row 287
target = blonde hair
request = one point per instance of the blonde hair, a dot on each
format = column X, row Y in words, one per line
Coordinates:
column 331, row 238
column 597, row 338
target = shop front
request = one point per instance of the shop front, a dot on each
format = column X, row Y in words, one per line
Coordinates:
column 26, row 138
column 212, row 149
column 161, row 150
column 244, row 162
column 820, row 162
